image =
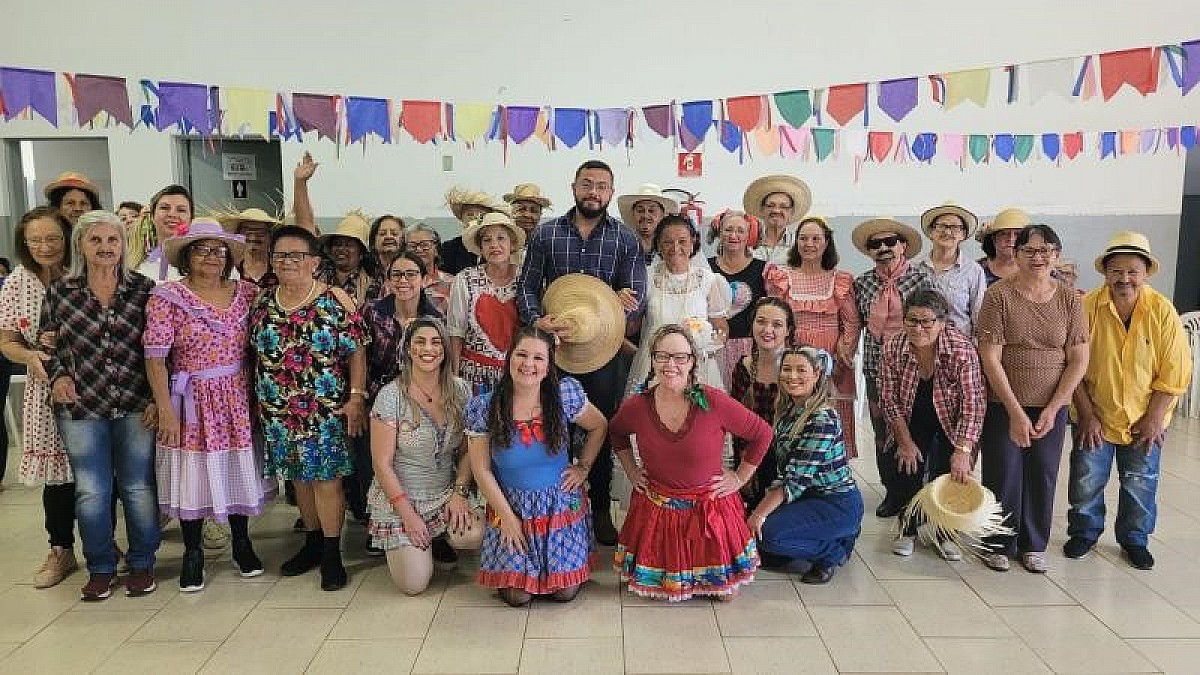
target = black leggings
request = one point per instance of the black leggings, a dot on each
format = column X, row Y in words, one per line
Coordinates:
column 58, row 503
column 239, row 529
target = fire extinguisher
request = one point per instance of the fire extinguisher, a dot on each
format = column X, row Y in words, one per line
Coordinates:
column 690, row 207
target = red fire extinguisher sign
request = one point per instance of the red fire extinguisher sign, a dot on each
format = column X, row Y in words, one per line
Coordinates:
column 691, row 165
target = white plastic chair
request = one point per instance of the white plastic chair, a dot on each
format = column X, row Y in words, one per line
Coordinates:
column 1189, row 403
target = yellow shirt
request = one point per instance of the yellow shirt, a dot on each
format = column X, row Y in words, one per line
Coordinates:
column 1127, row 366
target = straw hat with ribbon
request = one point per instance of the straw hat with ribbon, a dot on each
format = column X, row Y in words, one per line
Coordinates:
column 232, row 220
column 964, row 513
column 528, row 192
column 648, row 192
column 353, row 226
column 874, row 226
column 470, row 236
column 1129, row 242
column 204, row 228
column 594, row 320
column 970, row 221
column 75, row 180
column 757, row 191
column 1008, row 219
column 458, row 198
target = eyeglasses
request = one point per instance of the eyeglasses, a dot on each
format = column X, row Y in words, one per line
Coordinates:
column 923, row 323
column 207, row 250
column 43, row 241
column 889, row 241
column 947, row 227
column 777, row 205
column 588, row 186
column 397, row 275
column 290, row 256
column 1032, row 251
column 680, row 359
column 426, row 245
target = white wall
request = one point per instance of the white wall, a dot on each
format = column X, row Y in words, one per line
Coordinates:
column 626, row 52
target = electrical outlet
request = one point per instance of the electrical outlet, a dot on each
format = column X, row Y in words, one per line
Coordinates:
column 447, row 162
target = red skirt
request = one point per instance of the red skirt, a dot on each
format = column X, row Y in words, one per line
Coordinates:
column 679, row 543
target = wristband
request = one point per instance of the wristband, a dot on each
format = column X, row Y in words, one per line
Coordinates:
column 359, row 392
column 397, row 498
column 965, row 449
column 462, row 490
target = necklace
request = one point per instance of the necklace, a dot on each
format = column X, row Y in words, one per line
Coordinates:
column 285, row 307
column 424, row 392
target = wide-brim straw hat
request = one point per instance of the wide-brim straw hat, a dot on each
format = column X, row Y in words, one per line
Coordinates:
column 204, row 228
column 795, row 188
column 1008, row 219
column 354, row 226
column 874, row 226
column 528, row 192
column 232, row 220
column 1130, row 242
column 71, row 179
column 648, row 192
column 470, row 236
column 965, row 513
column 595, row 319
column 969, row 219
column 458, row 198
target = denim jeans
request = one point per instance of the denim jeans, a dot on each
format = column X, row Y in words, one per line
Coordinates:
column 819, row 528
column 100, row 450
column 1137, row 509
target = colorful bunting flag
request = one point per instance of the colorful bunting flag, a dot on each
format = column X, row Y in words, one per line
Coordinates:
column 731, row 136
column 1191, row 66
column 612, row 126
column 366, row 115
column 249, row 109
column 795, row 107
column 1129, row 142
column 472, row 120
column 94, row 94
column 421, row 119
column 570, row 125
column 1187, row 137
column 845, row 101
column 747, row 112
column 766, row 139
column 697, row 119
column 183, row 104
column 1004, row 145
column 924, row 146
column 660, row 119
column 1072, row 144
column 1048, row 77
column 21, row 89
column 793, row 141
column 316, row 112
column 521, row 122
column 1136, row 67
column 897, row 98
column 967, row 85
column 823, row 141
column 879, row 144
column 978, row 145
column 1051, row 146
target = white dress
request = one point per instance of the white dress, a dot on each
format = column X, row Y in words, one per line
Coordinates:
column 673, row 298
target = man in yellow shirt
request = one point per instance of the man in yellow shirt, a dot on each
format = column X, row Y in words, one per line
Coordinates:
column 1140, row 364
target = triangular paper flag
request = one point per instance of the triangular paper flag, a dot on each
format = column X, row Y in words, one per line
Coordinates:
column 1191, row 66
column 823, row 140
column 421, row 119
column 1048, row 77
column 1023, row 147
column 845, row 101
column 795, row 107
column 792, row 141
column 1130, row 140
column 879, row 144
column 184, row 103
column 522, row 120
column 94, row 94
column 368, row 116
column 697, row 118
column 316, row 112
column 247, row 109
column 766, row 139
column 570, row 125
column 897, row 98
column 953, row 146
column 924, row 146
column 472, row 120
column 23, row 89
column 1136, row 67
column 1072, row 144
column 731, row 136
column 747, row 112
column 1051, row 146
column 612, row 125
column 978, row 145
column 1004, row 145
column 660, row 119
column 967, row 85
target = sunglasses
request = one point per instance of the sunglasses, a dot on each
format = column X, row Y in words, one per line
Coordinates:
column 890, row 241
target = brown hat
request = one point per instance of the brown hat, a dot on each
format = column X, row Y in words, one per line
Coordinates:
column 528, row 192
column 970, row 221
column 231, row 220
column 595, row 319
column 72, row 179
column 872, row 227
column 354, row 226
column 457, row 198
column 1008, row 219
column 470, row 236
column 791, row 186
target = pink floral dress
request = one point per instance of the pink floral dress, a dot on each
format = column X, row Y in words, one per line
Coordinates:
column 43, row 456
column 214, row 472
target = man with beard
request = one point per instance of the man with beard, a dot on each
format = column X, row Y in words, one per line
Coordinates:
column 881, row 293
column 1140, row 364
column 587, row 240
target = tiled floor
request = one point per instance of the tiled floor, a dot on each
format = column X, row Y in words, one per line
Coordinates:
column 880, row 614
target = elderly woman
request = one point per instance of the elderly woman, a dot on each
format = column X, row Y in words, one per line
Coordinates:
column 387, row 239
column 822, row 298
column 42, row 244
column 685, row 294
column 195, row 345
column 539, row 531
column 931, row 392
column 467, row 205
column 737, row 234
column 681, row 485
column 422, row 474
column 998, row 241
column 483, row 302
column 779, row 202
column 424, row 242
column 102, row 401
column 171, row 210
column 960, row 280
column 310, row 383
column 809, row 518
column 1033, row 344
column 354, row 269
column 72, row 194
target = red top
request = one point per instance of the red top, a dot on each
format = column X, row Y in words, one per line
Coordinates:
column 691, row 457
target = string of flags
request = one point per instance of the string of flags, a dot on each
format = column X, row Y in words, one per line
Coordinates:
column 806, row 123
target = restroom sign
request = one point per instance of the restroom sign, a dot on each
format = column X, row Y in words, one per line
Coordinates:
column 240, row 189
column 235, row 166
column 691, row 165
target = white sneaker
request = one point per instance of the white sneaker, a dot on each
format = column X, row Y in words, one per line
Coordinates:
column 904, row 545
column 949, row 551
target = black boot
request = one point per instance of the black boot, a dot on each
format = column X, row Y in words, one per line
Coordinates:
column 307, row 558
column 246, row 561
column 333, row 573
column 191, row 576
column 602, row 525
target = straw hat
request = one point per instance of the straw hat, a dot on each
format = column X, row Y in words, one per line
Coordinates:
column 874, row 226
column 595, row 319
column 1128, row 242
column 648, row 192
column 354, row 226
column 528, row 192
column 204, row 228
column 969, row 219
column 458, row 198
column 964, row 513
column 1008, row 219
column 71, row 179
column 231, row 220
column 795, row 188
column 470, row 236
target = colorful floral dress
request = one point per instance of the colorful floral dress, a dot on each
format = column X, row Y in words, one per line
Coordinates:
column 484, row 315
column 43, row 455
column 302, row 377
column 826, row 316
column 213, row 473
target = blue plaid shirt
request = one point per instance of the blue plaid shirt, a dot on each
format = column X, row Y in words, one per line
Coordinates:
column 612, row 254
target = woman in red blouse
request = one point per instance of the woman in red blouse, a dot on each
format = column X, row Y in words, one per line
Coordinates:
column 685, row 534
